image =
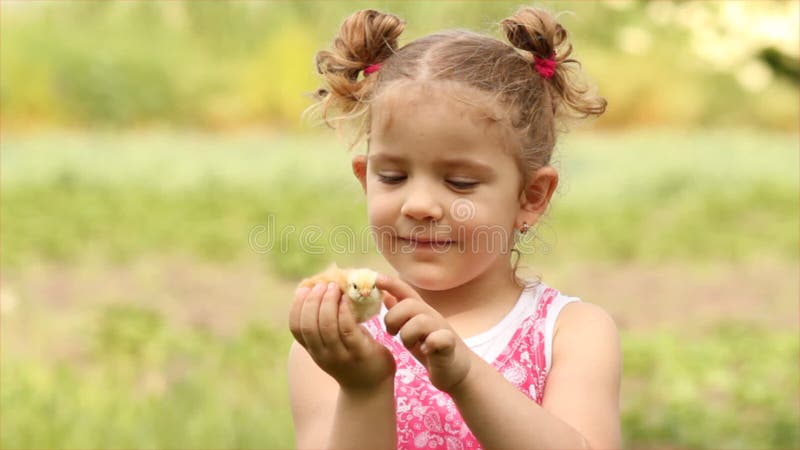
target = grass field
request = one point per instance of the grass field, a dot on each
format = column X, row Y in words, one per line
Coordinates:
column 136, row 312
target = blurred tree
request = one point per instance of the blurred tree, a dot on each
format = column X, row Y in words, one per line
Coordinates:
column 782, row 64
column 226, row 64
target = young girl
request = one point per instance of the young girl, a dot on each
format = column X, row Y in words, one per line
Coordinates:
column 464, row 354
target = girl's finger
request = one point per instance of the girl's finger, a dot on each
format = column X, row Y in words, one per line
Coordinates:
column 417, row 329
column 395, row 286
column 389, row 300
column 440, row 343
column 351, row 334
column 329, row 319
column 309, row 322
column 295, row 311
column 402, row 312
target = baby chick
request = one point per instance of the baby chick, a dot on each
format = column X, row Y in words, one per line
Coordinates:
column 357, row 284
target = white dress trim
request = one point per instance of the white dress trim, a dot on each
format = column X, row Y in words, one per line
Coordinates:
column 552, row 314
column 490, row 343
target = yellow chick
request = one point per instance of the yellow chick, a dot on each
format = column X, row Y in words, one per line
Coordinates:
column 357, row 284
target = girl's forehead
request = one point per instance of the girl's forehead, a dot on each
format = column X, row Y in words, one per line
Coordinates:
column 437, row 117
column 408, row 96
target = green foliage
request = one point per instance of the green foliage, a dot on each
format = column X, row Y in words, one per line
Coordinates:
column 141, row 384
column 288, row 200
column 140, row 381
column 65, row 219
column 716, row 390
column 144, row 384
column 127, row 332
column 221, row 64
column 656, row 196
column 691, row 220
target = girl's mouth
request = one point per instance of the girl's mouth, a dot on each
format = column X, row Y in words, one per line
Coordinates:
column 425, row 244
column 426, row 241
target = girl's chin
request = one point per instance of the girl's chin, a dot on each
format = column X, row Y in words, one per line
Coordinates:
column 423, row 276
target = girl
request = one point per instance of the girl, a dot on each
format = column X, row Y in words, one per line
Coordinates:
column 464, row 354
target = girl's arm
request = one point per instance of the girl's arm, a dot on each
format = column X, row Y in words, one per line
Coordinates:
column 580, row 407
column 581, row 399
column 326, row 416
column 341, row 381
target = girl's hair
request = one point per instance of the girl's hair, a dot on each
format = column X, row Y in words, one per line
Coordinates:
column 534, row 106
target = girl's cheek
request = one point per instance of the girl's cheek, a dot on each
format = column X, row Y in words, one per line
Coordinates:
column 379, row 212
column 482, row 236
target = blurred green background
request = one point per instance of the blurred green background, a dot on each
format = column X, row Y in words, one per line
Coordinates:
column 146, row 144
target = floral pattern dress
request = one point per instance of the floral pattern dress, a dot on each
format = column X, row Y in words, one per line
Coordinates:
column 428, row 418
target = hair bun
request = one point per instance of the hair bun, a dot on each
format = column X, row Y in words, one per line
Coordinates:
column 366, row 37
column 536, row 31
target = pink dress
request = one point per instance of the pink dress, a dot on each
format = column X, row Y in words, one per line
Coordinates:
column 428, row 418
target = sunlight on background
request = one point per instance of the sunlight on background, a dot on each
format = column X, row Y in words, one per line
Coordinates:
column 144, row 142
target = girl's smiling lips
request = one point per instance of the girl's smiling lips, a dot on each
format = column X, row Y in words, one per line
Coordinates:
column 421, row 241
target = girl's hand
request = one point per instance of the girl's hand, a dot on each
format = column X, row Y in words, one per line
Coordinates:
column 322, row 322
column 426, row 334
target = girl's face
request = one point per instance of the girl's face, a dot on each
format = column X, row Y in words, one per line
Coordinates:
column 443, row 195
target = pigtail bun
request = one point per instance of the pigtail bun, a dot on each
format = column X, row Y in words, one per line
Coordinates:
column 366, row 37
column 536, row 31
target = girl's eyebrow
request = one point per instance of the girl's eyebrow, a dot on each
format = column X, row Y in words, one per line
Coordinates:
column 445, row 162
column 385, row 157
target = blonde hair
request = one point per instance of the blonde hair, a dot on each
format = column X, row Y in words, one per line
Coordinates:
column 536, row 106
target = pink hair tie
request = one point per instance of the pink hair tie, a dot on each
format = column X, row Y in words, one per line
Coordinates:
column 545, row 66
column 371, row 68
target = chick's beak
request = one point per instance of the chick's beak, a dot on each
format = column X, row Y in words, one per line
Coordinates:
column 364, row 293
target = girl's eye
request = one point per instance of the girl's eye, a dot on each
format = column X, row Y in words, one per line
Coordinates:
column 391, row 179
column 397, row 179
column 463, row 184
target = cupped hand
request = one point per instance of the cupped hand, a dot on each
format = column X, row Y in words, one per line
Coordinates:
column 426, row 334
column 321, row 321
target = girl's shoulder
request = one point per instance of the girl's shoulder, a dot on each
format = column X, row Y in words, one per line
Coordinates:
column 565, row 322
column 571, row 312
column 583, row 385
column 581, row 315
column 585, row 335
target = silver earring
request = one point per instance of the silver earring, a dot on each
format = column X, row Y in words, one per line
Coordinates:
column 524, row 228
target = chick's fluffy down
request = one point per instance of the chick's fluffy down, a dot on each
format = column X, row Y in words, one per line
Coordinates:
column 359, row 288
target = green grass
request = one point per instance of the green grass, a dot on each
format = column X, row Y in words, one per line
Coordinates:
column 651, row 196
column 141, row 383
column 138, row 380
column 660, row 196
column 718, row 390
column 64, row 197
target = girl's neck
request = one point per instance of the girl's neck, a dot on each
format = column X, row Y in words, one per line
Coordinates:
column 478, row 304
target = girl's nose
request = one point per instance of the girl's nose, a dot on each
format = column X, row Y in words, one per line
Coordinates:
column 421, row 205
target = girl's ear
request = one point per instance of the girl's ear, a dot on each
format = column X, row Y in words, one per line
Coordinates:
column 360, row 170
column 536, row 195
